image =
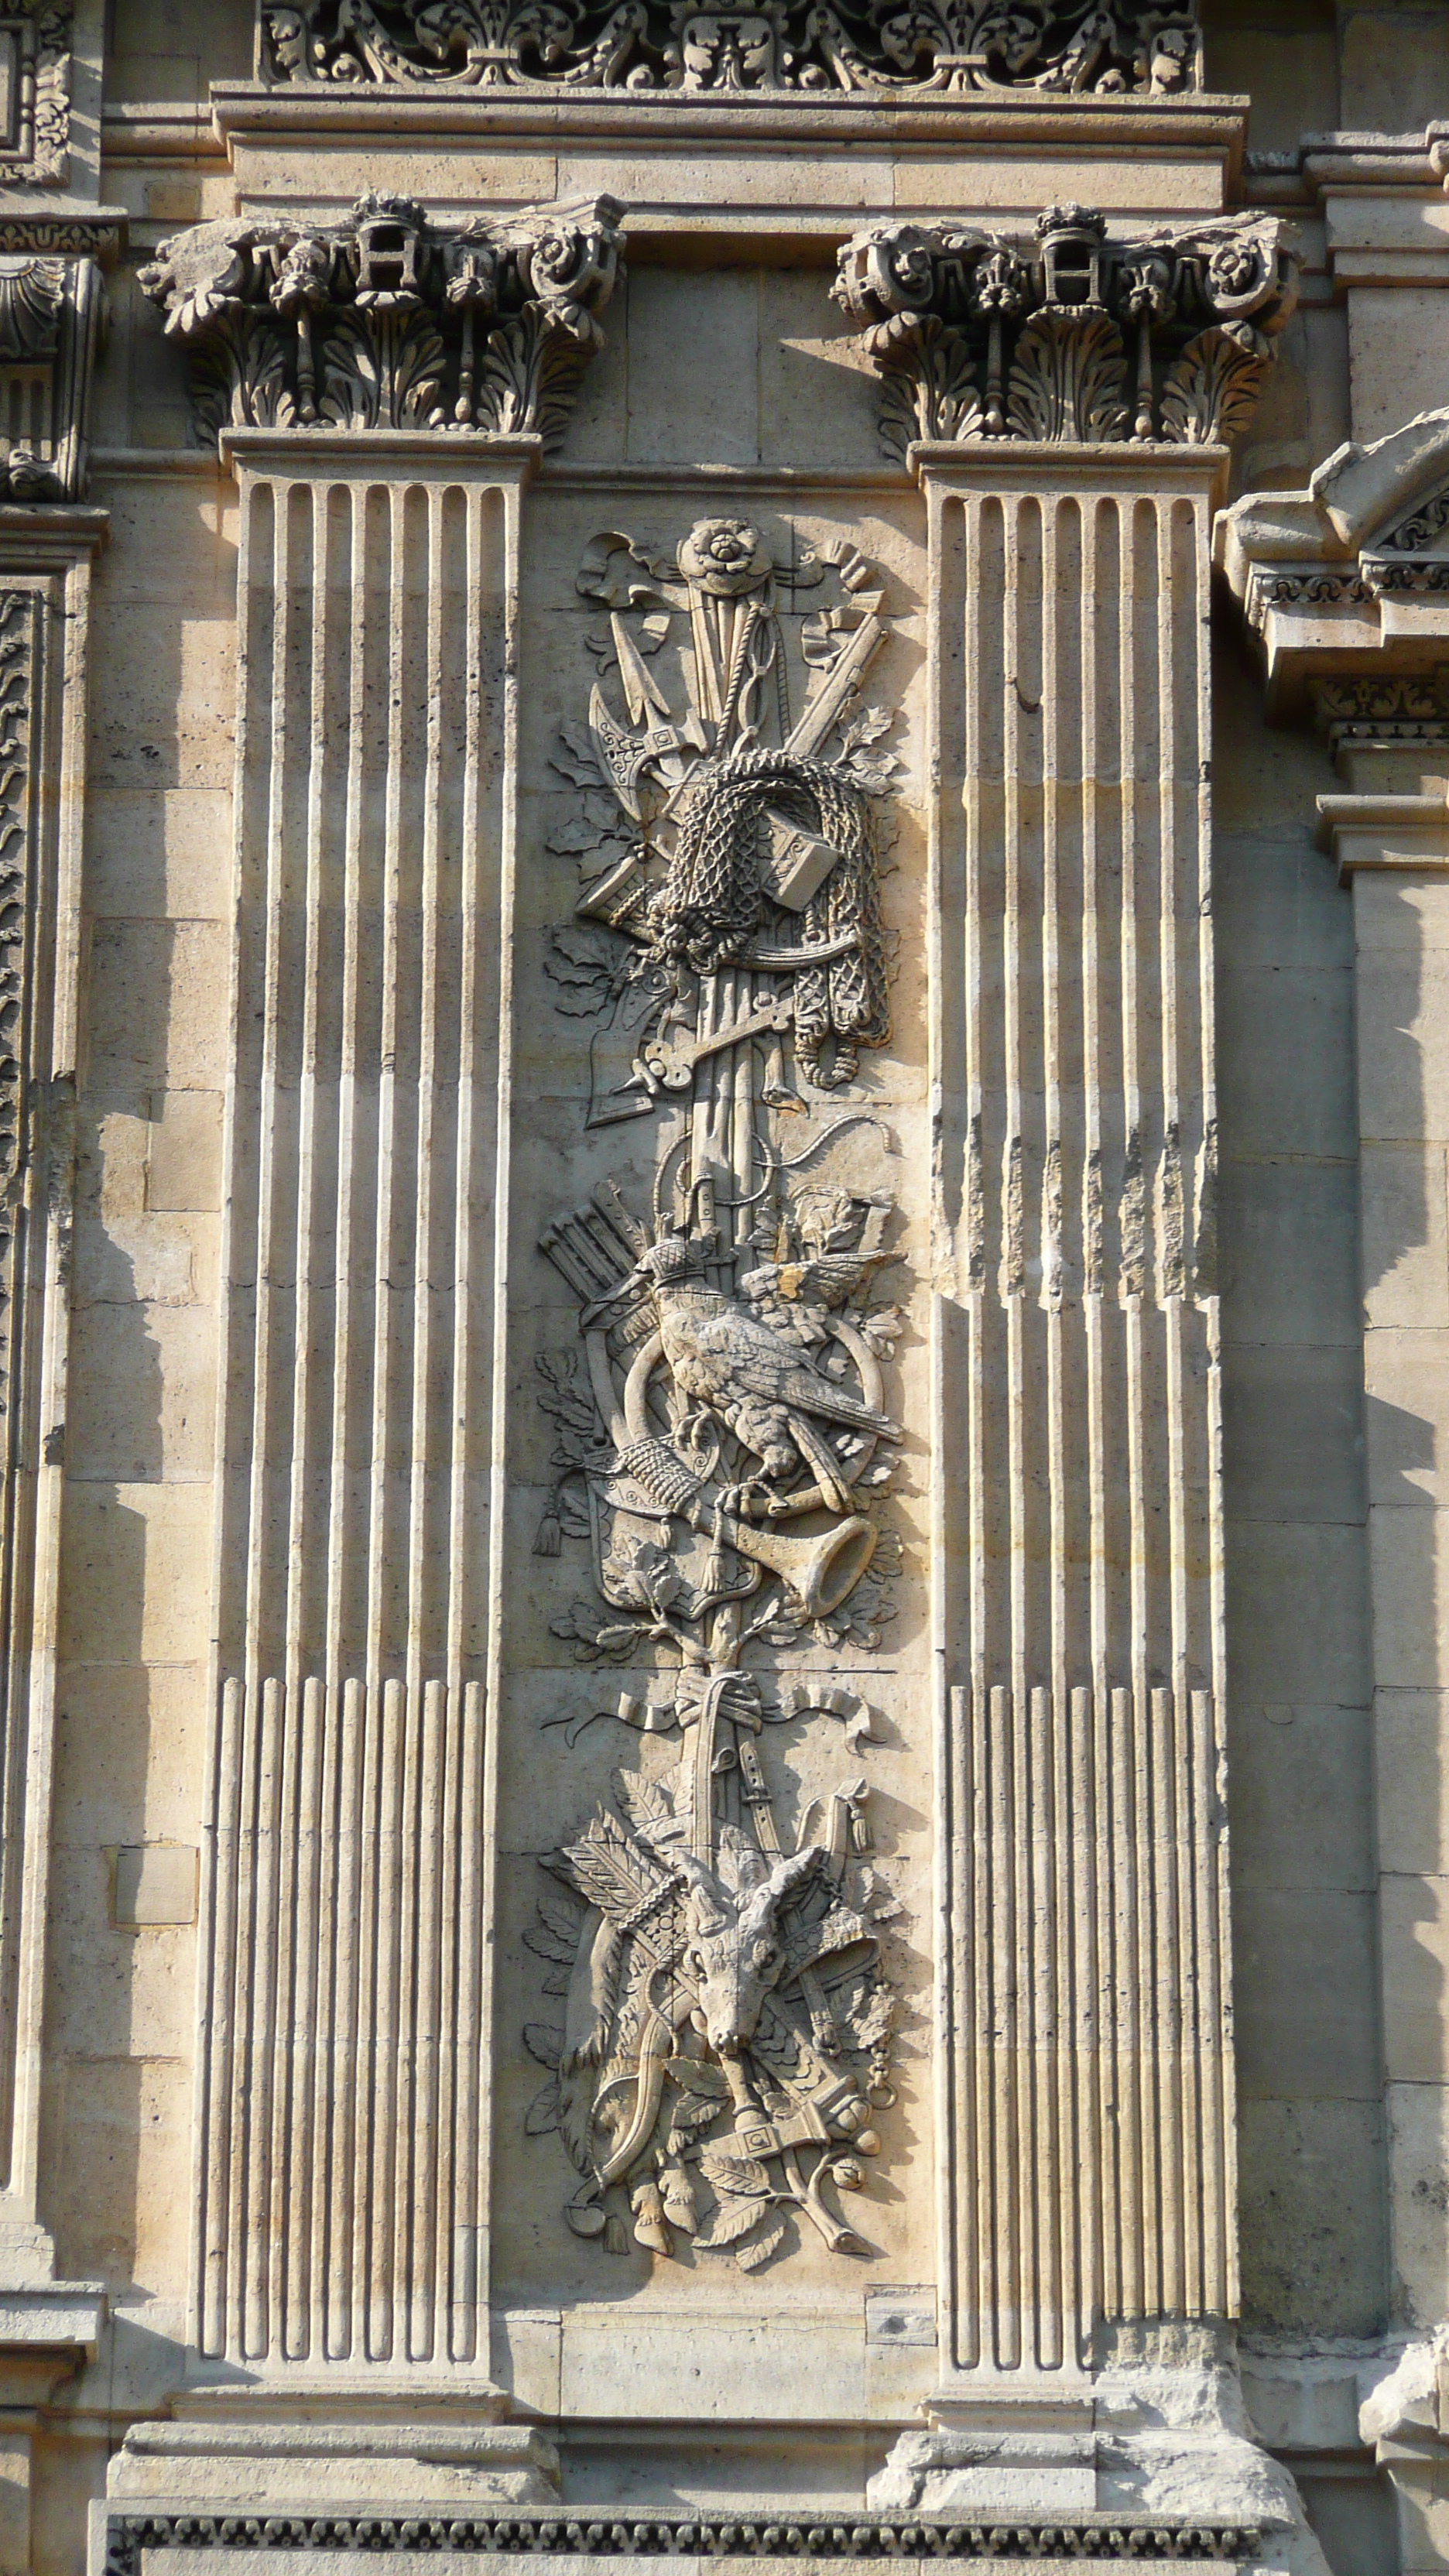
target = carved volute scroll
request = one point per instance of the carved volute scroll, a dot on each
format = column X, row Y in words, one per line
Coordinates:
column 724, row 1419
column 388, row 321
column 52, row 320
column 1065, row 336
column 1072, row 47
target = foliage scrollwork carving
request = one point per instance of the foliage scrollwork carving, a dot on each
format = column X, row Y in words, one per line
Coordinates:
column 724, row 1434
column 1067, row 336
column 388, row 321
column 1141, row 48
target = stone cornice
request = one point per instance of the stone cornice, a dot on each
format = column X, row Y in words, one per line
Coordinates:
column 1097, row 127
column 1397, row 835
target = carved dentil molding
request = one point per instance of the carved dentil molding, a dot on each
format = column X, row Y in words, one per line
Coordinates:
column 1333, row 579
column 1065, row 336
column 387, row 321
column 1141, row 48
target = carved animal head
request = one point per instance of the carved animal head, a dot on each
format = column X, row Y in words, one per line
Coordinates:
column 733, row 1953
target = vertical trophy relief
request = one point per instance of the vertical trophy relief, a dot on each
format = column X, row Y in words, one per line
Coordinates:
column 726, row 1432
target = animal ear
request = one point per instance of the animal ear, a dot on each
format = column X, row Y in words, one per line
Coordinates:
column 793, row 1871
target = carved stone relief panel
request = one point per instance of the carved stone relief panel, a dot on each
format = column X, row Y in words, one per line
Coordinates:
column 718, row 1546
column 1147, row 47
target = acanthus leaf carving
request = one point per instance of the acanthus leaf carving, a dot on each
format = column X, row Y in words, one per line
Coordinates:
column 724, row 1439
column 1212, row 389
column 1067, row 379
column 388, row 321
column 1143, row 48
column 1071, row 323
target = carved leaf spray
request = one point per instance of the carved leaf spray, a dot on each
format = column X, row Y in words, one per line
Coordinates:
column 728, row 2026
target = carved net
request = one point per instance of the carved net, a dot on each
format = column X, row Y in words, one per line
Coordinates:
column 715, row 897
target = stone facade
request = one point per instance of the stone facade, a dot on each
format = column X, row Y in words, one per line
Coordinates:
column 724, row 1247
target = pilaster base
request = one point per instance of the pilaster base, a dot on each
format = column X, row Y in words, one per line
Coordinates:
column 1159, row 2445
column 269, row 2452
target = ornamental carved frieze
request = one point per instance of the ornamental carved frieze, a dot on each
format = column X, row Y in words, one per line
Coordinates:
column 388, row 321
column 35, row 54
column 1064, row 47
column 1064, row 335
column 725, row 1436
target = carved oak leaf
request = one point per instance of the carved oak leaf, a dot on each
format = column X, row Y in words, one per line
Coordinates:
column 544, row 2043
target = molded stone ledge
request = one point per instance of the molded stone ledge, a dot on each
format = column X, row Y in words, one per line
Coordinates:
column 678, row 2545
column 280, row 2467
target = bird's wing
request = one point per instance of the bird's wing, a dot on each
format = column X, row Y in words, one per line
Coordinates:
column 782, row 1376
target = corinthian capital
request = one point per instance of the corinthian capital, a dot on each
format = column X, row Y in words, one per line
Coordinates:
column 387, row 321
column 1064, row 334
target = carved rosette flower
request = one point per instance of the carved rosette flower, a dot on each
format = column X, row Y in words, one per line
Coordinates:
column 1040, row 325
column 726, row 557
column 389, row 321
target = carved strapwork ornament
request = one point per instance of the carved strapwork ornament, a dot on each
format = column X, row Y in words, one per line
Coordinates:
column 387, row 321
column 1066, row 336
column 1345, row 588
column 52, row 321
column 1149, row 48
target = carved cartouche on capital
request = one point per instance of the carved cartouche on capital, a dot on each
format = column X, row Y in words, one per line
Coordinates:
column 1141, row 48
column 387, row 321
column 1065, row 334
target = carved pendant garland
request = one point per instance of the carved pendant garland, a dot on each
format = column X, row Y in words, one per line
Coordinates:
column 725, row 1432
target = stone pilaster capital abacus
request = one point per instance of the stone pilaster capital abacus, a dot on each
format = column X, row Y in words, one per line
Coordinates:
column 388, row 320
column 1068, row 335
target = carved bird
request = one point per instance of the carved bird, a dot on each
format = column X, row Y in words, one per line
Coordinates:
column 757, row 1380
